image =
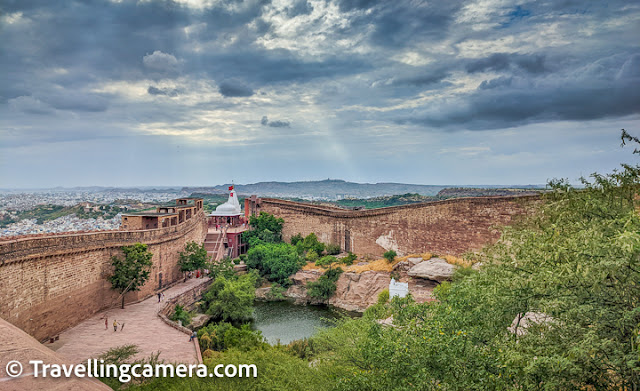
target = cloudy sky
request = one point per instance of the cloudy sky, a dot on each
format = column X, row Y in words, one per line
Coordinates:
column 190, row 92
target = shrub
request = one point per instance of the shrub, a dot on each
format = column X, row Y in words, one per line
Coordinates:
column 301, row 348
column 295, row 239
column 276, row 292
column 311, row 242
column 222, row 336
column 332, row 249
column 180, row 314
column 223, row 268
column 325, row 286
column 326, row 260
column 311, row 256
column 390, row 256
column 266, row 228
column 348, row 260
column 275, row 261
column 231, row 299
column 383, row 296
column 119, row 355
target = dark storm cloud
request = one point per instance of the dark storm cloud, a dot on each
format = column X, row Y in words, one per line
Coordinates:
column 274, row 124
column 300, row 7
column 398, row 23
column 598, row 90
column 503, row 61
column 483, row 65
column 422, row 79
column 232, row 88
column 162, row 91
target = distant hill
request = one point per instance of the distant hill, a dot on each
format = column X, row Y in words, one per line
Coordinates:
column 456, row 192
column 331, row 189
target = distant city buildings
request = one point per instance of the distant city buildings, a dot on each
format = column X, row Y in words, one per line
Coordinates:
column 11, row 203
column 61, row 224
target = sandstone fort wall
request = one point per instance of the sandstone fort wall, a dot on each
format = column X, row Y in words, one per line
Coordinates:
column 445, row 227
column 48, row 284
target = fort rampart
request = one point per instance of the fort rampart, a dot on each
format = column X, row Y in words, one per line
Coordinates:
column 50, row 283
column 444, row 227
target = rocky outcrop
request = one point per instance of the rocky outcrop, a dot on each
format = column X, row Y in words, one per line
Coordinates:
column 262, row 293
column 356, row 292
column 436, row 269
column 304, row 276
column 298, row 290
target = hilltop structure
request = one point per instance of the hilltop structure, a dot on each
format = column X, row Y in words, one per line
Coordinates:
column 226, row 225
column 164, row 216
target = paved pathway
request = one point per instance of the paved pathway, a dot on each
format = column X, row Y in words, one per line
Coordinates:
column 142, row 327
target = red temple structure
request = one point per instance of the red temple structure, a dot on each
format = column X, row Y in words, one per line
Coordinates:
column 226, row 225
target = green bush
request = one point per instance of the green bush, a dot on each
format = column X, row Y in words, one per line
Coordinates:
column 348, row 260
column 383, row 296
column 180, row 314
column 231, row 299
column 265, row 228
column 325, row 286
column 301, row 348
column 222, row 336
column 275, row 261
column 390, row 256
column 332, row 249
column 276, row 292
column 326, row 260
column 311, row 256
column 295, row 239
column 222, row 268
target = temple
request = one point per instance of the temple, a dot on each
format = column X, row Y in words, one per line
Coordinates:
column 226, row 225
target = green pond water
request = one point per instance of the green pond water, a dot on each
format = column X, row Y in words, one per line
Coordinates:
column 286, row 322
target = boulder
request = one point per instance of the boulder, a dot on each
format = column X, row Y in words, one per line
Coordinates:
column 357, row 291
column 436, row 269
column 402, row 266
column 261, row 293
column 199, row 321
column 304, row 276
column 241, row 267
column 414, row 261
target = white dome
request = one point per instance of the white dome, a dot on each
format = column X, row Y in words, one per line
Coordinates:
column 229, row 208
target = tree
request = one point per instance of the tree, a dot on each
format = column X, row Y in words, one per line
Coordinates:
column 193, row 257
column 265, row 228
column 131, row 272
column 390, row 255
column 231, row 300
column 275, row 261
column 325, row 286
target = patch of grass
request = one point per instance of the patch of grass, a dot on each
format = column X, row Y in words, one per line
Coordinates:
column 378, row 265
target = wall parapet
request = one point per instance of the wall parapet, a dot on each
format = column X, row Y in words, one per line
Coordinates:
column 322, row 210
column 453, row 226
column 29, row 248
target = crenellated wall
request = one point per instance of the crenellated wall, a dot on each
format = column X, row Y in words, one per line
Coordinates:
column 445, row 227
column 48, row 284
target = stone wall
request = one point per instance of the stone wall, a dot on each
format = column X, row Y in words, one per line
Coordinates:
column 48, row 284
column 445, row 227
